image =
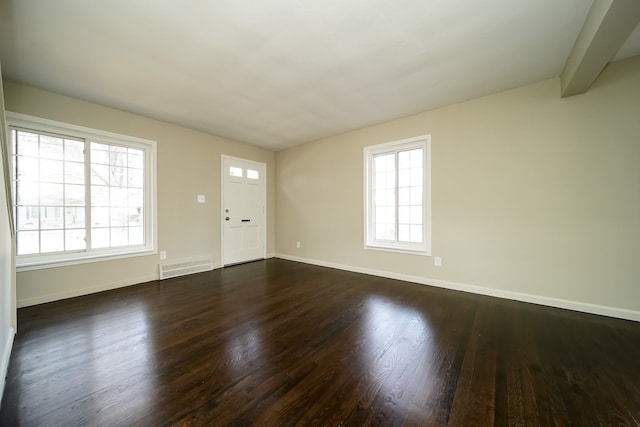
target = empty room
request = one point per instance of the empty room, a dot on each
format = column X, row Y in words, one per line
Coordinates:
column 336, row 213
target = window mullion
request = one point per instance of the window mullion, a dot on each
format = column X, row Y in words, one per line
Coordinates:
column 87, row 196
column 395, row 194
column 39, row 197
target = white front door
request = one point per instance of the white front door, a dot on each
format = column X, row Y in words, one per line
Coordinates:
column 243, row 210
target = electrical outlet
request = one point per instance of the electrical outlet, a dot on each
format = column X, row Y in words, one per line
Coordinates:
column 437, row 261
column 298, row 245
column 163, row 255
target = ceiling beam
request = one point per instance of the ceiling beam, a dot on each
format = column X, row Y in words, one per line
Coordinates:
column 608, row 25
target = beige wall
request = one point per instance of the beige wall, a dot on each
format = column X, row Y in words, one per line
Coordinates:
column 533, row 195
column 188, row 165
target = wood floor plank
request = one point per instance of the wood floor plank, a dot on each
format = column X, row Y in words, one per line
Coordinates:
column 283, row 343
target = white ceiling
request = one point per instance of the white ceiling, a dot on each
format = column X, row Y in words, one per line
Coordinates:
column 276, row 73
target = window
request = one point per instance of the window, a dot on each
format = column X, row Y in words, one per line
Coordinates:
column 80, row 193
column 398, row 196
column 234, row 171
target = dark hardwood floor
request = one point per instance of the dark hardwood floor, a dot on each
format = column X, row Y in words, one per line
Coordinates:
column 278, row 343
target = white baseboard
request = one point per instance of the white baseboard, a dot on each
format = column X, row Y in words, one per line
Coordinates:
column 584, row 307
column 41, row 299
column 4, row 362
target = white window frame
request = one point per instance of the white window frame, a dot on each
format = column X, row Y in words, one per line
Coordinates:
column 370, row 242
column 38, row 261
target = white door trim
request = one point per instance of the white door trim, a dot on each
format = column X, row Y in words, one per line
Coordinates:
column 263, row 192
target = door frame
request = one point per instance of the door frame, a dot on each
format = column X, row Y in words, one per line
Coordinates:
column 263, row 201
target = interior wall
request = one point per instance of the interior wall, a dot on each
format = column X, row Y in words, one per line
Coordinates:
column 7, row 273
column 189, row 164
column 534, row 197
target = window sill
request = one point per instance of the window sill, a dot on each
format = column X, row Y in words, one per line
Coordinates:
column 398, row 250
column 66, row 262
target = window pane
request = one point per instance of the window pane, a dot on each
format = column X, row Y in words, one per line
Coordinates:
column 390, row 197
column 74, row 150
column 74, row 218
column 51, row 217
column 100, row 217
column 42, row 193
column 404, row 233
column 404, row 160
column 99, row 174
column 51, row 147
column 404, row 215
column 136, row 158
column 404, row 196
column 118, row 176
column 390, row 180
column 52, row 194
column 99, row 156
column 118, row 196
column 119, row 202
column 119, row 236
column 74, row 173
column 390, row 162
column 99, row 195
column 416, row 196
column 74, row 195
column 117, row 156
column 27, row 168
column 416, row 214
column 136, row 235
column 404, row 177
column 52, row 241
column 390, row 232
column 416, row 176
column 119, row 217
column 74, row 240
column 378, row 164
column 391, row 215
column 135, row 197
column 416, row 158
column 251, row 174
column 27, row 144
column 99, row 238
column 28, row 218
column 98, row 146
column 416, row 233
column 27, row 242
column 234, row 171
column 386, row 231
column 136, row 178
column 28, row 193
column 136, row 217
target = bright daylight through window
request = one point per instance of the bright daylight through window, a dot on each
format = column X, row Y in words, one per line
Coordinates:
column 398, row 196
column 79, row 193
